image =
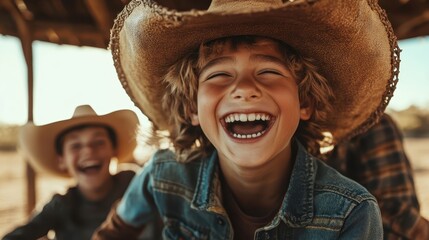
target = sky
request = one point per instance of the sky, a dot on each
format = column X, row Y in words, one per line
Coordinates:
column 66, row 76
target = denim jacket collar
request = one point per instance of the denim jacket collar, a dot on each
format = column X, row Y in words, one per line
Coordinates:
column 206, row 188
column 297, row 206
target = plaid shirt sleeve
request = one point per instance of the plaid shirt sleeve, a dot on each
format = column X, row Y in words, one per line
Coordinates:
column 377, row 160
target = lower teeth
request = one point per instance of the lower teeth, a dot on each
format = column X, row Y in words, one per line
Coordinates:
column 253, row 135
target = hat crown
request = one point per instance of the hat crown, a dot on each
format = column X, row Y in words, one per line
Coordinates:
column 144, row 47
column 228, row 5
column 84, row 110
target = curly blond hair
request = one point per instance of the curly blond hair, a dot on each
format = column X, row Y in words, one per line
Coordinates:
column 180, row 97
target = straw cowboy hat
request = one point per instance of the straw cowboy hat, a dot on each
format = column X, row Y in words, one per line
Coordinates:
column 351, row 40
column 38, row 142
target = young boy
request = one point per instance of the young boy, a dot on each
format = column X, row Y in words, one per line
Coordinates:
column 80, row 147
column 246, row 108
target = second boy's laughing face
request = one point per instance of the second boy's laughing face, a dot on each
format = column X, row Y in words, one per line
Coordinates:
column 248, row 104
column 86, row 155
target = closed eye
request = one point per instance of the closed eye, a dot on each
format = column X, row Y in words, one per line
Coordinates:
column 75, row 146
column 100, row 142
column 218, row 74
column 270, row 71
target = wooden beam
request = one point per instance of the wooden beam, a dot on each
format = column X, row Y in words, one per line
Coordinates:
column 69, row 33
column 101, row 14
column 407, row 28
column 26, row 43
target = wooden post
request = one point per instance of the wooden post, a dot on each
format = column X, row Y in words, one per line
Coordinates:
column 26, row 43
column 29, row 171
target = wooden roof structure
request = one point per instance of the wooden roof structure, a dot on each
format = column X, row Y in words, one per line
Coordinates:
column 77, row 22
column 88, row 23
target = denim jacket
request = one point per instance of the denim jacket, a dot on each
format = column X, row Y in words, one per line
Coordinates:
column 319, row 202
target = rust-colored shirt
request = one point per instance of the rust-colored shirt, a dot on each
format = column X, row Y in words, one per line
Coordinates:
column 244, row 225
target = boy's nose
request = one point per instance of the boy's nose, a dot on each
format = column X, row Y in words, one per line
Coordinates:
column 246, row 89
column 87, row 149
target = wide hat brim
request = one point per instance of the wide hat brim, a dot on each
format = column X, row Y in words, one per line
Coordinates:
column 351, row 40
column 37, row 143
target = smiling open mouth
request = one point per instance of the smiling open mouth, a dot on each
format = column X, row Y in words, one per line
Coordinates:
column 89, row 168
column 247, row 125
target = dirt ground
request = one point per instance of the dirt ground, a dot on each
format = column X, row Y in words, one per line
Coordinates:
column 13, row 189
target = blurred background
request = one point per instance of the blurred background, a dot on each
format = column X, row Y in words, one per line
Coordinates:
column 53, row 57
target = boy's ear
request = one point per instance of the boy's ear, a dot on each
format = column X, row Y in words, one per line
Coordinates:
column 61, row 163
column 306, row 112
column 194, row 120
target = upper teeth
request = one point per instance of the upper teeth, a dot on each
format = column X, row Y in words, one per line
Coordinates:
column 88, row 164
column 244, row 117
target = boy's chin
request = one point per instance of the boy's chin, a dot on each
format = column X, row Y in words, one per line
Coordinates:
column 246, row 159
column 93, row 174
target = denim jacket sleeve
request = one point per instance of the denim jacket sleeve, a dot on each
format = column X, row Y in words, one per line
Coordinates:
column 127, row 219
column 137, row 206
column 364, row 222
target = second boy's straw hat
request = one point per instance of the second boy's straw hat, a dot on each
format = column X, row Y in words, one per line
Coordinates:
column 351, row 40
column 38, row 142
